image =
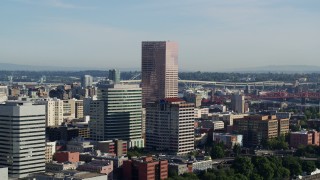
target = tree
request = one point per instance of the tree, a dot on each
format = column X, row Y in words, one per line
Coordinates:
column 236, row 150
column 293, row 165
column 190, row 176
column 243, row 166
column 308, row 166
column 217, row 152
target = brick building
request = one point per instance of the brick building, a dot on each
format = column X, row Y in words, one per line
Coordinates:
column 145, row 168
column 304, row 138
column 66, row 156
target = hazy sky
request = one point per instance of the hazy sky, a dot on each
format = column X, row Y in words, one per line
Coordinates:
column 212, row 34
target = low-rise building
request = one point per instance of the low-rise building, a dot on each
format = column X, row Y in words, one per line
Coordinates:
column 66, row 156
column 215, row 125
column 98, row 166
column 57, row 167
column 69, row 175
column 304, row 138
column 145, row 168
column 228, row 139
column 117, row 147
column 80, row 145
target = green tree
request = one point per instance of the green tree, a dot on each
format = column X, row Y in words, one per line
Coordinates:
column 292, row 163
column 255, row 176
column 217, row 152
column 190, row 176
column 236, row 149
column 243, row 166
column 308, row 166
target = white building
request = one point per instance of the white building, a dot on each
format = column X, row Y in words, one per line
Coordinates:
column 170, row 126
column 3, row 93
column 22, row 138
column 86, row 81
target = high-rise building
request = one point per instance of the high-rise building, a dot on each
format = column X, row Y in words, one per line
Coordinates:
column 117, row 114
column 170, row 126
column 86, row 81
column 54, row 112
column 237, row 103
column 159, row 70
column 3, row 93
column 114, row 75
column 22, row 142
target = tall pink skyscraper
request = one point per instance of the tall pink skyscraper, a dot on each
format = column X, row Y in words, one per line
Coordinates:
column 159, row 70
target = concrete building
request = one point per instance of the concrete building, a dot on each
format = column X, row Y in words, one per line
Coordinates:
column 79, row 109
column 215, row 125
column 145, row 168
column 170, row 126
column 98, row 166
column 69, row 109
column 193, row 98
column 22, row 142
column 114, row 75
column 50, row 151
column 117, row 147
column 80, row 145
column 228, row 139
column 86, row 81
column 69, row 175
column 237, row 103
column 54, row 111
column 4, row 173
column 304, row 138
column 256, row 128
column 117, row 114
column 159, row 70
column 3, row 93
column 58, row 167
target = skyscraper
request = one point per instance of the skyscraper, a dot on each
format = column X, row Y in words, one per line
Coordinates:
column 117, row 114
column 170, row 126
column 114, row 75
column 86, row 81
column 159, row 70
column 22, row 142
column 237, row 103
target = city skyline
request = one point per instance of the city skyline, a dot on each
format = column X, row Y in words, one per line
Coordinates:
column 216, row 35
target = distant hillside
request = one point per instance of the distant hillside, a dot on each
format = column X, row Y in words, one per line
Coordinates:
column 279, row 69
column 19, row 67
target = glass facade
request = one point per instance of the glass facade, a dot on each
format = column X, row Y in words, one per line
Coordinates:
column 159, row 70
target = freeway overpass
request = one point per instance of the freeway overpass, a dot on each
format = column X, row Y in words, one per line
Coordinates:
column 219, row 83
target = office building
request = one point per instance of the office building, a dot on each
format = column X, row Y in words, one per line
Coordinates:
column 145, row 168
column 114, row 75
column 159, row 71
column 238, row 103
column 257, row 128
column 170, row 126
column 22, row 138
column 86, row 81
column 117, row 114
